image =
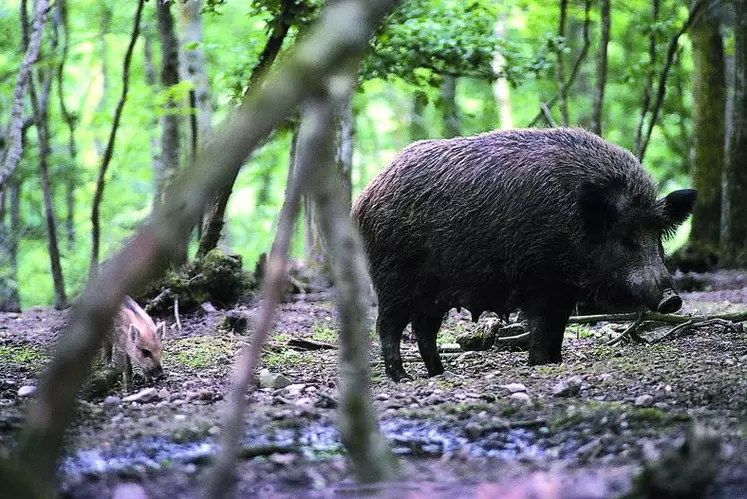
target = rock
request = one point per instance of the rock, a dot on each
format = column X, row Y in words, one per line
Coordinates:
column 26, row 390
column 282, row 459
column 142, row 396
column 207, row 307
column 450, row 347
column 644, row 401
column 164, row 394
column 520, row 397
column 305, row 402
column 202, row 394
column 292, row 389
column 514, row 387
column 382, row 396
column 235, row 321
column 112, row 400
column 568, row 387
column 272, row 380
column 129, row 491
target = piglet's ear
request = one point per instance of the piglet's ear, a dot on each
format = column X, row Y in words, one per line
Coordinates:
column 676, row 207
column 597, row 207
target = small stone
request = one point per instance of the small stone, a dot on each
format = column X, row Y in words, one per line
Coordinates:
column 283, row 459
column 520, row 397
column 213, row 430
column 142, row 396
column 305, row 402
column 207, row 307
column 568, row 387
column 644, row 400
column 164, row 394
column 180, row 417
column 292, row 389
column 382, row 396
column 117, row 418
column 272, row 380
column 514, row 387
column 26, row 390
column 450, row 347
column 604, row 377
column 129, row 491
column 112, row 400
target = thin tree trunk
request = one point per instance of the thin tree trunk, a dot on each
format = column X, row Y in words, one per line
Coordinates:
column 448, row 106
column 344, row 132
column 560, row 66
column 150, row 80
column 212, row 228
column 501, row 90
column 169, row 77
column 108, row 153
column 418, row 130
column 9, row 299
column 707, row 143
column 604, row 38
column 106, row 19
column 649, row 86
column 31, row 47
column 71, row 177
column 734, row 229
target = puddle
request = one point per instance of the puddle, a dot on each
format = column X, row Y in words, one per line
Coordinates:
column 407, row 437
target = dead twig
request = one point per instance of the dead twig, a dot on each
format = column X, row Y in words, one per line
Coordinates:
column 630, row 333
column 176, row 314
column 304, row 344
column 697, row 322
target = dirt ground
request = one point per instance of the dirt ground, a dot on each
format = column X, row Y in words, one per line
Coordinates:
column 490, row 427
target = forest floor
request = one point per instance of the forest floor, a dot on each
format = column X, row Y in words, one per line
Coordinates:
column 490, row 427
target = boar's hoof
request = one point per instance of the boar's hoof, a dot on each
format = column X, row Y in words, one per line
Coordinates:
column 669, row 303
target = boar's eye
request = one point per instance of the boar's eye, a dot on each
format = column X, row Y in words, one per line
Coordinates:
column 146, row 353
column 629, row 244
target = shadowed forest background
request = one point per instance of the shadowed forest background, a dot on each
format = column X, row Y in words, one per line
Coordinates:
column 640, row 73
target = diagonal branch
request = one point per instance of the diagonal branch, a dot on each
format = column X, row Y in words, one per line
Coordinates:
column 640, row 152
column 339, row 37
column 574, row 72
column 109, row 151
column 15, row 126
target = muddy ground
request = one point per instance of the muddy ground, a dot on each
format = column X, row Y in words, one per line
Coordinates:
column 490, row 427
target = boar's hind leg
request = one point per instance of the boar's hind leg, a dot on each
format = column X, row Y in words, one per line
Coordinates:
column 390, row 324
column 425, row 325
column 547, row 320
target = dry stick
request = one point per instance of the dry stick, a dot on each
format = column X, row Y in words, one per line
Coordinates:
column 372, row 458
column 648, row 88
column 652, row 316
column 604, row 38
column 109, row 151
column 662, row 84
column 576, row 66
column 176, row 314
column 341, row 34
column 15, row 126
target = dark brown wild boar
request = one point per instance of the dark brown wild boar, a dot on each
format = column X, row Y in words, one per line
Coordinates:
column 135, row 338
column 532, row 219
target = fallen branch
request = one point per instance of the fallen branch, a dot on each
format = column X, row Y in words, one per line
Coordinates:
column 630, row 332
column 695, row 323
column 176, row 313
column 652, row 316
column 304, row 344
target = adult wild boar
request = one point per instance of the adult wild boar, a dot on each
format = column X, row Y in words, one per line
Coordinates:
column 531, row 219
column 135, row 338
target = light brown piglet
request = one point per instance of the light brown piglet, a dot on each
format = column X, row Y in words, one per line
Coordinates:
column 135, row 338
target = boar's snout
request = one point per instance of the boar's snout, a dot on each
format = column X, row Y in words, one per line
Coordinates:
column 156, row 372
column 670, row 302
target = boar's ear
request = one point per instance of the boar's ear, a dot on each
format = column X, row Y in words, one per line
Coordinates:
column 161, row 329
column 598, row 208
column 134, row 333
column 676, row 207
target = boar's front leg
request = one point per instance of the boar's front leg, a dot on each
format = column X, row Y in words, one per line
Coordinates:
column 547, row 318
column 127, row 374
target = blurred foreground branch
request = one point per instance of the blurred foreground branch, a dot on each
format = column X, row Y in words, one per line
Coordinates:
column 339, row 37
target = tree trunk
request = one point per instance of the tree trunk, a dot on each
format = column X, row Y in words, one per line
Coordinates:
column 9, row 205
column 106, row 19
column 604, row 38
column 169, row 77
column 150, row 80
column 734, row 223
column 42, row 127
column 708, row 121
column 560, row 66
column 501, row 91
column 344, row 132
column 448, row 105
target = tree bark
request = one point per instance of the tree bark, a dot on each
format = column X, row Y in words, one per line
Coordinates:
column 9, row 232
column 212, row 228
column 418, row 130
column 708, row 135
column 71, row 177
column 501, row 90
column 31, row 47
column 169, row 77
column 109, row 152
column 150, row 80
column 734, row 228
column 106, row 19
column 560, row 66
column 344, row 133
column 604, row 38
column 448, row 105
